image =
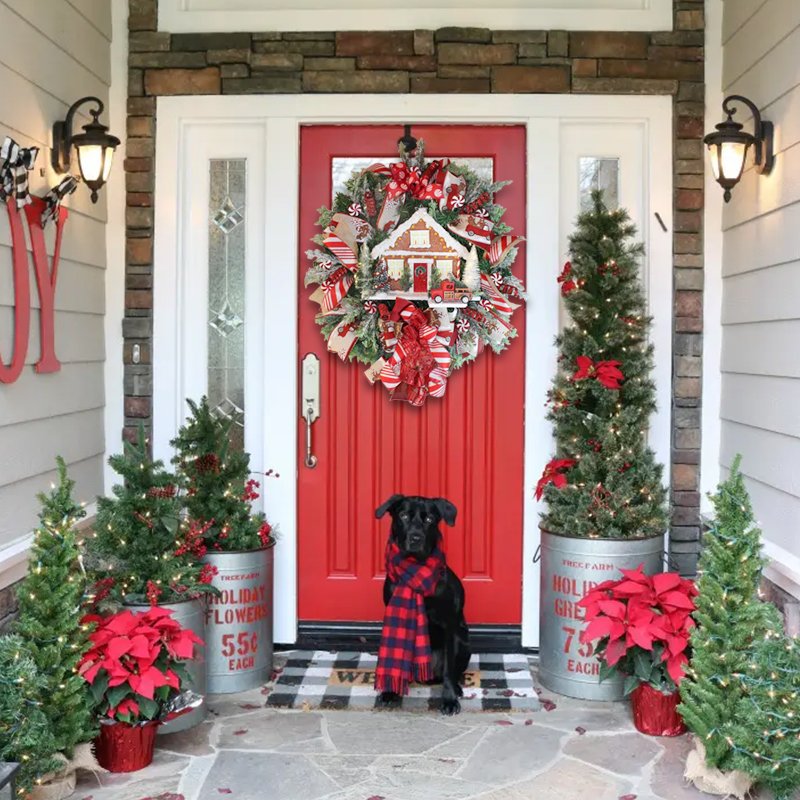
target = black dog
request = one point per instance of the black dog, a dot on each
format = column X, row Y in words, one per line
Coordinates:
column 415, row 530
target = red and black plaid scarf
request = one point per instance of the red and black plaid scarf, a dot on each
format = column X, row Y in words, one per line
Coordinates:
column 405, row 651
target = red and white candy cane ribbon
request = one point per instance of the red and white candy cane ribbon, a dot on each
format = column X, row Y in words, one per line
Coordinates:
column 335, row 288
column 501, row 245
column 500, row 302
column 346, row 254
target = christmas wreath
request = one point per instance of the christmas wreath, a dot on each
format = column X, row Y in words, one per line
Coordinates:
column 413, row 272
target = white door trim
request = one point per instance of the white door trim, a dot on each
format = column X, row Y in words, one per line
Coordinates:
column 281, row 117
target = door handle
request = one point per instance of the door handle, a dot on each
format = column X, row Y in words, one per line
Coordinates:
column 311, row 459
column 309, row 400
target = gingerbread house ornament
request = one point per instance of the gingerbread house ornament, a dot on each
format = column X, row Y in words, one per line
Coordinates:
column 416, row 252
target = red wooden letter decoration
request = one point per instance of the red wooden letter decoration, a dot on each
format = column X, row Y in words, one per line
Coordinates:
column 46, row 277
column 22, row 297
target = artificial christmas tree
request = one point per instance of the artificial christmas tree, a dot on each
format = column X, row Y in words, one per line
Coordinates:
column 50, row 600
column 604, row 481
column 730, row 619
column 603, row 484
column 25, row 734
column 143, row 546
column 218, row 493
column 740, row 695
column 766, row 726
column 216, row 480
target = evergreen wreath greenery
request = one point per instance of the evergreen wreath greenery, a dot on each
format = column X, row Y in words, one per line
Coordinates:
column 604, row 481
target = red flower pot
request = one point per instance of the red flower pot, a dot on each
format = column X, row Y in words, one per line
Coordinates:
column 656, row 714
column 125, row 748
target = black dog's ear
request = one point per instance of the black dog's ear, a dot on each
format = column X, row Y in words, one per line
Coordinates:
column 447, row 510
column 388, row 505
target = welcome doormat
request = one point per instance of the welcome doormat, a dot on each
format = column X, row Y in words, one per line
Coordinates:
column 329, row 680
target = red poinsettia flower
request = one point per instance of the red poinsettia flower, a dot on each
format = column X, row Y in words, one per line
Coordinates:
column 642, row 613
column 608, row 373
column 567, row 284
column 137, row 652
column 554, row 473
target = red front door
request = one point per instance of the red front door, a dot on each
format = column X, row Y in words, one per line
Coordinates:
column 466, row 446
column 420, row 277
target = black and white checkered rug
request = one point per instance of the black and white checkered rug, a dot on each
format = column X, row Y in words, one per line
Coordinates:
column 329, row 680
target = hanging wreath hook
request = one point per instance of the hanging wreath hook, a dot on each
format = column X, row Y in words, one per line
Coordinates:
column 407, row 143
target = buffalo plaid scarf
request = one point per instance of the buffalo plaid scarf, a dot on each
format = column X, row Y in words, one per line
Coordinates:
column 405, row 651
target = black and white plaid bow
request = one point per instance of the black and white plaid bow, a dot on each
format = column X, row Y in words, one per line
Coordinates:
column 53, row 198
column 15, row 163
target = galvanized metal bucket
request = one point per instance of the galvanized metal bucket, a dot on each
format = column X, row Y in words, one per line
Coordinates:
column 570, row 566
column 190, row 614
column 239, row 624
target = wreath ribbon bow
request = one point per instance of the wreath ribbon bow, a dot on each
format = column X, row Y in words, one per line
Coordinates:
column 15, row 164
column 420, row 361
column 54, row 197
column 427, row 185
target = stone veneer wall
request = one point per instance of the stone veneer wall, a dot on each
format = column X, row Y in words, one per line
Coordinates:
column 472, row 60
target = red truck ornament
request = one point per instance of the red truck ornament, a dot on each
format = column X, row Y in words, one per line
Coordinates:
column 448, row 292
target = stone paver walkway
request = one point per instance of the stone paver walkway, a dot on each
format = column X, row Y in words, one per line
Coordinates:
column 571, row 749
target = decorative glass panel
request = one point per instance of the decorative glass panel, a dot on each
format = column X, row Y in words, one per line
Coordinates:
column 599, row 173
column 226, row 292
column 343, row 167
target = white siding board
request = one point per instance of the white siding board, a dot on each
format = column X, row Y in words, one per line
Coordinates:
column 79, row 287
column 96, row 12
column 26, row 450
column 757, row 36
column 776, row 73
column 765, row 348
column 765, row 295
column 760, row 389
column 737, row 12
column 786, row 110
column 18, row 500
column 77, row 387
column 67, row 29
column 83, row 241
column 762, row 401
column 78, row 338
column 769, row 457
column 763, row 242
column 53, row 52
column 29, row 53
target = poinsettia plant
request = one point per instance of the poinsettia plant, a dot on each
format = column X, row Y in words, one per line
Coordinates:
column 641, row 624
column 136, row 663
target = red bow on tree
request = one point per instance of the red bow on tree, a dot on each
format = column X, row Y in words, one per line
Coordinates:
column 422, row 186
column 606, row 372
column 567, row 284
column 553, row 473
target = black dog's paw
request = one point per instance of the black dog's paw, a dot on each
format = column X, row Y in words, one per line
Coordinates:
column 389, row 699
column 459, row 690
column 451, row 707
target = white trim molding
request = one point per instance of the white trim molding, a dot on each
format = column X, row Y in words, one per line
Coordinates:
column 203, row 16
column 227, row 126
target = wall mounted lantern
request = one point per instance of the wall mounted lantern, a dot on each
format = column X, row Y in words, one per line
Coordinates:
column 95, row 146
column 728, row 145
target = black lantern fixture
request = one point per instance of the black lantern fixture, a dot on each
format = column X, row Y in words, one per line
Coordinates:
column 729, row 143
column 95, row 146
